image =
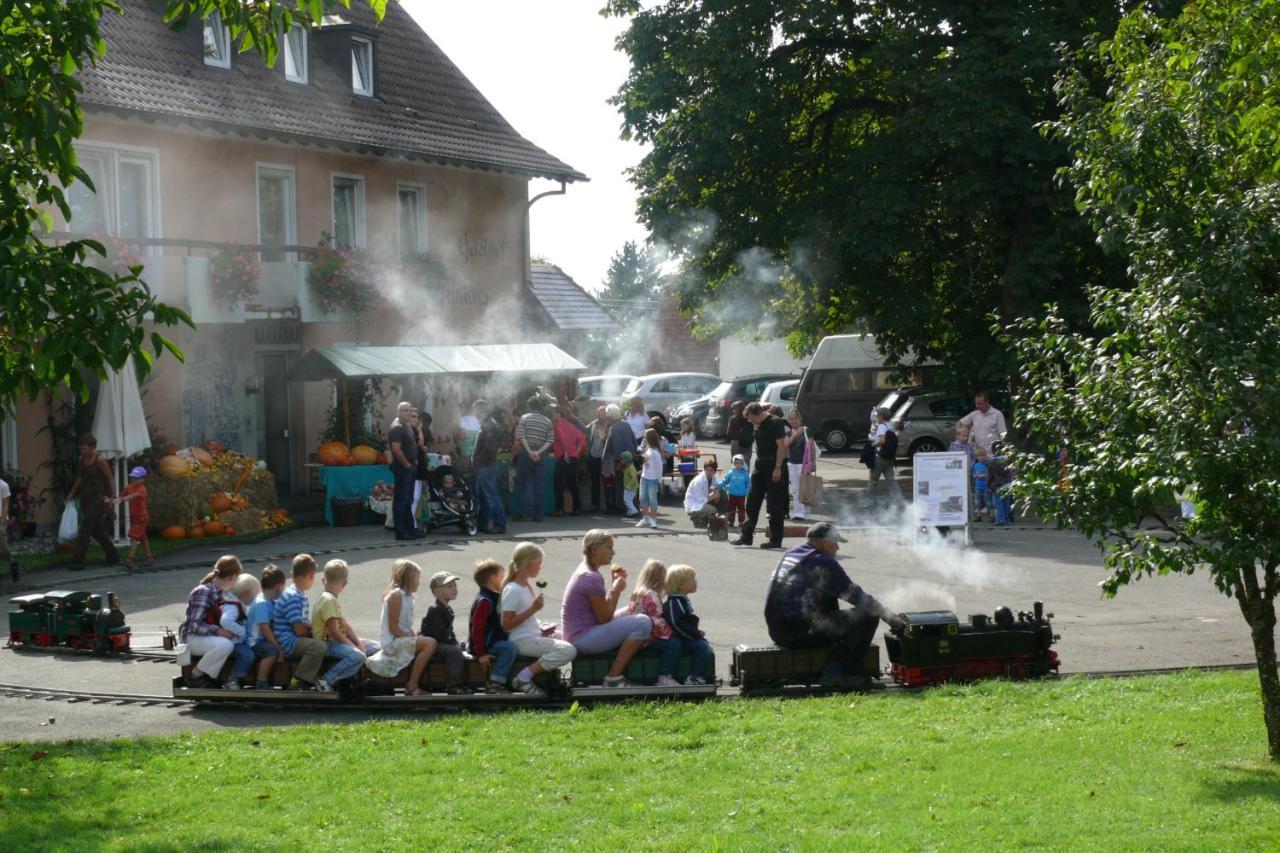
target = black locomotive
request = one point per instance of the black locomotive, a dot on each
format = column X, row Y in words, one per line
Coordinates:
column 78, row 620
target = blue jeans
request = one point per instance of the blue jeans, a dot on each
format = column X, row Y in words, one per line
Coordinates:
column 265, row 649
column 350, row 659
column 704, row 659
column 648, row 493
column 1004, row 505
column 531, row 483
column 241, row 659
column 402, row 502
column 504, row 656
column 490, row 498
column 669, row 651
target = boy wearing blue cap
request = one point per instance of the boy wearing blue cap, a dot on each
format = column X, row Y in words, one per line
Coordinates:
column 136, row 494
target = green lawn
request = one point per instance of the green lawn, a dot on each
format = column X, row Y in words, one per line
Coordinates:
column 1171, row 762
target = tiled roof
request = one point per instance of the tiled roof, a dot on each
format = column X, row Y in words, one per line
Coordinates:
column 672, row 346
column 424, row 106
column 570, row 307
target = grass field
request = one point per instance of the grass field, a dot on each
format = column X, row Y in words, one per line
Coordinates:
column 1172, row 762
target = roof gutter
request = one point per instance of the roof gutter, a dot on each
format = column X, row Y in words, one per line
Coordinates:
column 524, row 233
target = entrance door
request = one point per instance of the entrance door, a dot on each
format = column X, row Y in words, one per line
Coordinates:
column 275, row 418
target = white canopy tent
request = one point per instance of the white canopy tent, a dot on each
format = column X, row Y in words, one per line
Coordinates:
column 120, row 425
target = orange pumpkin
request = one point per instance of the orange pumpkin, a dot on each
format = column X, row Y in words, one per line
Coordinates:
column 382, row 459
column 214, row 528
column 173, row 466
column 350, row 460
column 220, row 503
column 230, row 531
column 202, row 456
column 176, row 531
column 331, row 453
column 364, row 454
column 196, row 531
column 242, row 503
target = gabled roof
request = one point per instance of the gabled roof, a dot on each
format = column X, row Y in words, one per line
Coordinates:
column 570, row 307
column 424, row 107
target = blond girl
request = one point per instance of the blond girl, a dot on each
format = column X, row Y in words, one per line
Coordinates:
column 519, row 605
column 647, row 600
column 401, row 646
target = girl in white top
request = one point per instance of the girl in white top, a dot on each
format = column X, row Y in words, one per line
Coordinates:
column 519, row 605
column 650, row 477
column 401, row 645
column 688, row 438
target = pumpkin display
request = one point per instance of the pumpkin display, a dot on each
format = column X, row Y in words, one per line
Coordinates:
column 331, row 453
column 214, row 528
column 214, row 446
column 230, row 531
column 195, row 531
column 175, row 531
column 364, row 454
column 173, row 466
column 350, row 460
column 382, row 459
column 220, row 503
column 202, row 456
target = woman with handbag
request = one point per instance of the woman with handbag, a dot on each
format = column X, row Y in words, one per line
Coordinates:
column 801, row 466
column 96, row 487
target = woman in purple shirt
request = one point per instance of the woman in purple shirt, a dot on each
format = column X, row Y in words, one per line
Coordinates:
column 590, row 617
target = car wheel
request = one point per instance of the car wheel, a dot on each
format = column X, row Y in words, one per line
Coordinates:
column 836, row 439
column 925, row 445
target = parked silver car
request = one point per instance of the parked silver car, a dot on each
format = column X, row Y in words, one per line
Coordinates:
column 661, row 391
column 781, row 394
column 928, row 419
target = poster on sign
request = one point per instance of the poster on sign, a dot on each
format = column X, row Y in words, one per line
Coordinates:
column 941, row 489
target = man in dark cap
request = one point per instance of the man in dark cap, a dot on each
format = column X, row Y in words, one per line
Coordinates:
column 803, row 611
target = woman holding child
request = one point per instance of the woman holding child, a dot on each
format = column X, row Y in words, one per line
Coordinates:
column 204, row 636
column 401, row 645
column 591, row 618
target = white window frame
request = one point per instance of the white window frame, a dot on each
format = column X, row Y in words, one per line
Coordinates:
column 300, row 71
column 214, row 22
column 420, row 190
column 112, row 155
column 278, row 170
column 358, row 180
column 367, row 44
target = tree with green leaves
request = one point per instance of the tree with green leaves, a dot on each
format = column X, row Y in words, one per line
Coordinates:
column 1178, row 391
column 861, row 164
column 62, row 314
column 632, row 283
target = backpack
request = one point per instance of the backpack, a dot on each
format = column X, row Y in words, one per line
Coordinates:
column 718, row 528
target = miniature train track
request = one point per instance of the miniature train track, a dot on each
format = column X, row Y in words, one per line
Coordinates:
column 150, row 657
column 303, row 700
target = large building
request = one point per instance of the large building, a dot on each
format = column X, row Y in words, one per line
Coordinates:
column 363, row 136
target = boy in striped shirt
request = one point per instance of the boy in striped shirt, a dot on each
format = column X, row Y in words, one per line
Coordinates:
column 291, row 623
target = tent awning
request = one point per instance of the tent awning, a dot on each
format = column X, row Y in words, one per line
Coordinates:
column 409, row 360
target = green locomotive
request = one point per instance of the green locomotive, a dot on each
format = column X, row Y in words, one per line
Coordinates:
column 78, row 620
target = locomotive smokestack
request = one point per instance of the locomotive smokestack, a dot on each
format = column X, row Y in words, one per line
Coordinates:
column 1038, row 607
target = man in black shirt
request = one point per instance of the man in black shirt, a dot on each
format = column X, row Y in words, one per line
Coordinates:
column 485, row 460
column 404, row 468
column 769, row 479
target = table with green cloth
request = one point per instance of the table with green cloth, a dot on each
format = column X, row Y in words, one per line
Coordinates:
column 351, row 481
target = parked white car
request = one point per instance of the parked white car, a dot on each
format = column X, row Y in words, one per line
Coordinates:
column 781, row 394
column 606, row 388
column 661, row 391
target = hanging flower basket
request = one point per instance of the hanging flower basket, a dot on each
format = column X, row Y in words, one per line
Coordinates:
column 342, row 280
column 235, row 274
column 120, row 258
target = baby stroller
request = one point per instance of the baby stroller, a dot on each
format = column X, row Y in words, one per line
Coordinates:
column 455, row 505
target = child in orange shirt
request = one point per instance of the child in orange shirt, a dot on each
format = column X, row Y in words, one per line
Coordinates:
column 136, row 493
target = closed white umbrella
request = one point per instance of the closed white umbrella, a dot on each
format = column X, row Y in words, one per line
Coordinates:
column 120, row 425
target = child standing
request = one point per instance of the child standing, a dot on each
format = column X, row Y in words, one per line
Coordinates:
column 400, row 645
column 688, row 442
column 291, row 623
column 136, row 494
column 981, row 492
column 438, row 625
column 1000, row 485
column 654, row 455
column 488, row 643
column 263, row 640
column 648, row 600
column 737, row 484
column 630, row 484
column 329, row 625
column 235, row 620
column 682, row 581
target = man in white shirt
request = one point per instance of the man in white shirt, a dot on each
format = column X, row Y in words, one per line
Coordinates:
column 986, row 423
column 703, row 497
column 5, row 555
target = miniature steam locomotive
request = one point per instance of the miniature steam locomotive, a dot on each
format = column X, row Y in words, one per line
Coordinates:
column 79, row 620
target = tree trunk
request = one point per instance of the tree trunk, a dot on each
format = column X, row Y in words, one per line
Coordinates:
column 1260, row 613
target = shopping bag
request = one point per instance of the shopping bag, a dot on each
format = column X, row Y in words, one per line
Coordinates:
column 810, row 489
column 69, row 527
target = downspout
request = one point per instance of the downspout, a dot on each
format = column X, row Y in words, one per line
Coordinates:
column 524, row 236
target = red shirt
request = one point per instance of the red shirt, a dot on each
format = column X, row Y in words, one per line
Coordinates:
column 569, row 440
column 137, row 506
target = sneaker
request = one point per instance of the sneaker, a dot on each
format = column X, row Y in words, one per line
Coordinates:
column 324, row 686
column 233, row 684
column 496, row 688
column 528, row 688
column 742, row 540
column 457, row 690
column 643, row 522
column 616, row 681
column 262, row 684
column 300, row 687
column 695, row 681
column 770, row 545
column 667, row 681
column 653, row 522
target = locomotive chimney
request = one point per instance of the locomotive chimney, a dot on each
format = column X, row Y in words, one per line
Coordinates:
column 1038, row 607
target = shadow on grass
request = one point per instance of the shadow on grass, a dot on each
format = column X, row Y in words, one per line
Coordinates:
column 1235, row 784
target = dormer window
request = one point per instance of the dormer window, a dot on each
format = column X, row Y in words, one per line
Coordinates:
column 217, row 42
column 362, row 66
column 295, row 55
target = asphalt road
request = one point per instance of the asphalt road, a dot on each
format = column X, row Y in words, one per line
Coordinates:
column 1161, row 622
